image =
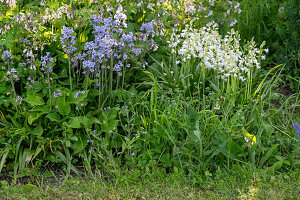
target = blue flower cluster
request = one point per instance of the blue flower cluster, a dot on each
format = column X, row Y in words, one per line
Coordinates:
column 111, row 42
column 7, row 58
column 6, row 55
column 46, row 63
column 297, row 129
column 13, row 74
column 89, row 65
column 118, row 66
column 68, row 40
column 57, row 93
column 148, row 28
column 79, row 93
column 19, row 100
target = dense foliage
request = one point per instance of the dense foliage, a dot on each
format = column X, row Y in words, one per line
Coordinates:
column 125, row 84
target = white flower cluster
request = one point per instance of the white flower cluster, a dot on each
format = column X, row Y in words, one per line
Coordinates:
column 52, row 14
column 221, row 54
column 10, row 3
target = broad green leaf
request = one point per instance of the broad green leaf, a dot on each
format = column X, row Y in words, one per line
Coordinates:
column 68, row 143
column 37, row 151
column 74, row 138
column 42, row 108
column 132, row 27
column 63, row 107
column 112, row 113
column 86, row 122
column 277, row 165
column 54, row 117
column 34, row 100
column 74, row 122
column 109, row 125
column 33, row 116
column 296, row 164
column 94, row 120
column 79, row 145
column 37, row 86
column 269, row 129
column 38, row 131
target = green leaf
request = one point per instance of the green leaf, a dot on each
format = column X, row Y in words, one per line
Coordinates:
column 66, row 161
column 61, row 57
column 59, row 23
column 63, row 107
column 4, row 155
column 296, row 164
column 112, row 113
column 38, row 131
column 38, row 86
column 79, row 145
column 74, row 122
column 34, row 100
column 277, row 165
column 44, row 109
column 54, row 117
column 86, row 122
column 109, row 125
column 33, row 116
column 74, row 138
column 269, row 129
column 268, row 154
column 68, row 143
column 24, row 157
column 132, row 27
column 94, row 120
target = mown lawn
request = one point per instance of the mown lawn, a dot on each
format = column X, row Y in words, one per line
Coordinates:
column 238, row 183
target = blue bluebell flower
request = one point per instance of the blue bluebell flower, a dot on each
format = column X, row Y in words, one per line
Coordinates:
column 57, row 93
column 6, row 55
column 87, row 64
column 148, row 28
column 297, row 128
column 137, row 51
column 46, row 61
column 68, row 40
column 79, row 93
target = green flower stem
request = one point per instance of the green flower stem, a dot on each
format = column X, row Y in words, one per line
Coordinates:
column 49, row 90
column 70, row 74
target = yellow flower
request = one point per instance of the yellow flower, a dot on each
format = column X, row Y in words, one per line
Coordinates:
column 249, row 138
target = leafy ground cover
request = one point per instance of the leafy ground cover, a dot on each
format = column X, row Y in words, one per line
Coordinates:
column 195, row 88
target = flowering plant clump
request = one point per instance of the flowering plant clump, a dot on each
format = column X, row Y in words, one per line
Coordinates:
column 68, row 40
column 206, row 49
column 112, row 42
column 113, row 50
column 46, row 63
column 220, row 54
column 85, row 83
